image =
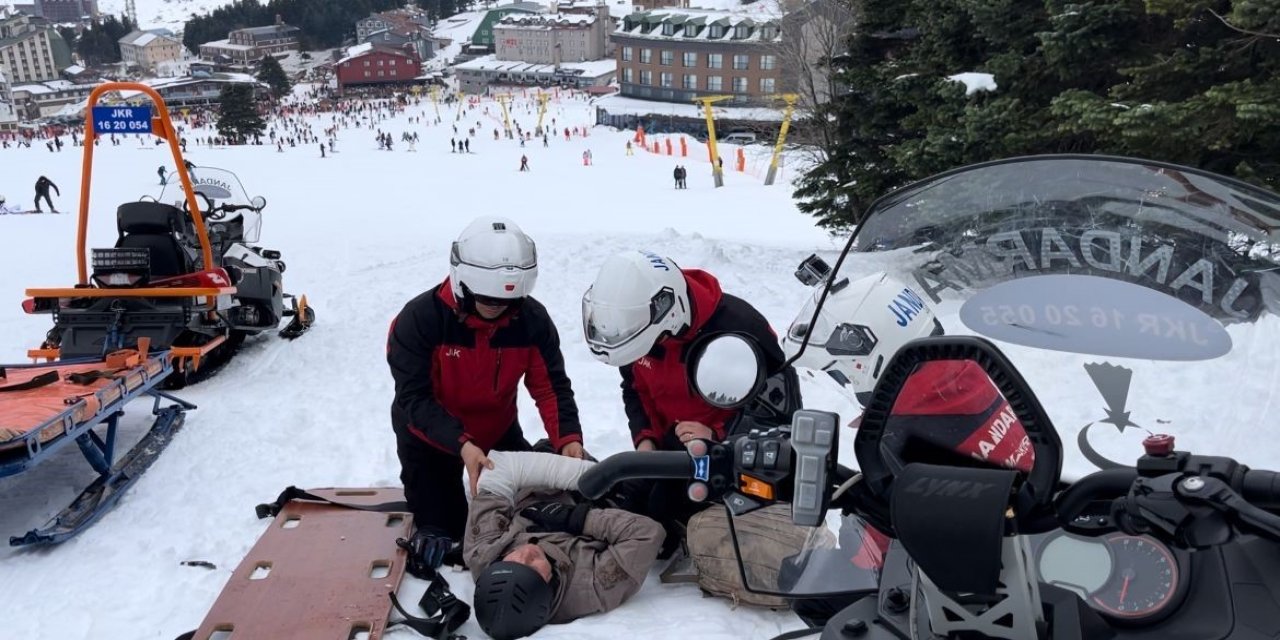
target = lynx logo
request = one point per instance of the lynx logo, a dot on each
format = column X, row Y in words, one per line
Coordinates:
column 701, row 468
column 906, row 306
column 948, row 488
column 453, row 353
column 656, row 261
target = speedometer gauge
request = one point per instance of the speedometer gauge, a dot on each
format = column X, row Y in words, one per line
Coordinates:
column 1143, row 582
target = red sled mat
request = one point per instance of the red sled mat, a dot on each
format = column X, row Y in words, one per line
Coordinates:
column 319, row 572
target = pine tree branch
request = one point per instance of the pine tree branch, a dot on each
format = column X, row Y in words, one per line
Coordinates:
column 1244, row 31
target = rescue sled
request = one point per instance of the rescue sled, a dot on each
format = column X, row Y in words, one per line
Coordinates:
column 45, row 408
column 167, row 279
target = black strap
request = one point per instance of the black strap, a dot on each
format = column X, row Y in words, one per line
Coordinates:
column 42, row 380
column 445, row 612
column 272, row 509
column 89, row 377
column 798, row 633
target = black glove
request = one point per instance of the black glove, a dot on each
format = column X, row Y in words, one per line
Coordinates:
column 427, row 551
column 558, row 516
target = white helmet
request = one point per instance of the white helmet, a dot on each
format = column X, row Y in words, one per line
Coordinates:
column 862, row 324
column 636, row 298
column 493, row 258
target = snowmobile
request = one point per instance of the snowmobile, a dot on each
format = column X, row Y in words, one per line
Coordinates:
column 1120, row 293
column 195, row 289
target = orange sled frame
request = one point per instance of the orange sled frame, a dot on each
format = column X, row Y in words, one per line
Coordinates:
column 205, row 297
column 44, row 408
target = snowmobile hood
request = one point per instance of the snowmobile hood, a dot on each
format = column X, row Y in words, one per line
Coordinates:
column 704, row 297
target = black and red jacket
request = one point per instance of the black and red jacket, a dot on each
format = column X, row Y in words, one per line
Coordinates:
column 456, row 374
column 656, row 389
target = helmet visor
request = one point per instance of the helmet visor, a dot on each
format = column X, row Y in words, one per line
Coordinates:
column 613, row 325
column 513, row 251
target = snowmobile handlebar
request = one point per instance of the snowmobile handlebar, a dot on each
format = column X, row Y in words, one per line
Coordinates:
column 1261, row 488
column 635, row 465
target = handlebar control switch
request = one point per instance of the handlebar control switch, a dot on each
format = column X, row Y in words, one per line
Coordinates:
column 814, row 435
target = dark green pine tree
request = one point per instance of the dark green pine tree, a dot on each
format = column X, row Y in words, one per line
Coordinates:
column 270, row 72
column 866, row 113
column 238, row 115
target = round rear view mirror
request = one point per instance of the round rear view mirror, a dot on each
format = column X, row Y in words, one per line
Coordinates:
column 727, row 370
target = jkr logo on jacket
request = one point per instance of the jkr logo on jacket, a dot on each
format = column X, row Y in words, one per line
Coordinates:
column 645, row 362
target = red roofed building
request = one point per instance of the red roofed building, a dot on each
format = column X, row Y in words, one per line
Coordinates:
column 369, row 64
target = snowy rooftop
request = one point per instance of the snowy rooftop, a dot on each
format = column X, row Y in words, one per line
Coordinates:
column 618, row 104
column 226, row 44
column 593, row 68
column 139, row 38
column 546, row 20
column 696, row 24
column 73, row 70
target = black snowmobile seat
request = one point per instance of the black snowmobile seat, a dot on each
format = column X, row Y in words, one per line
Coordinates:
column 151, row 226
column 148, row 217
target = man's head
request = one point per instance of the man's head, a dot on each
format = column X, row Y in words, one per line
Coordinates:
column 637, row 299
column 514, row 597
column 493, row 265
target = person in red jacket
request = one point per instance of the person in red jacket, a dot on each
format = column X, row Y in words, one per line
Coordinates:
column 641, row 315
column 458, row 353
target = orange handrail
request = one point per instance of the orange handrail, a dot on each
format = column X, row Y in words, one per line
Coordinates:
column 161, row 127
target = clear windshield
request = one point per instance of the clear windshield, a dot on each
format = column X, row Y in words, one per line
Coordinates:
column 1134, row 298
column 219, row 186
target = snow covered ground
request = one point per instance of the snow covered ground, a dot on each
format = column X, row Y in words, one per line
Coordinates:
column 362, row 232
column 169, row 14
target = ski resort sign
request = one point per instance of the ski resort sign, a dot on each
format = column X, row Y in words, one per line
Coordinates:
column 110, row 120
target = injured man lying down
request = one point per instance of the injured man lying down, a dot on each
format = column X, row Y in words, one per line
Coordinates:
column 541, row 554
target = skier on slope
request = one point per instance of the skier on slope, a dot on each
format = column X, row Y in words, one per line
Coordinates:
column 5, row 208
column 641, row 314
column 43, row 185
column 539, row 556
column 480, row 324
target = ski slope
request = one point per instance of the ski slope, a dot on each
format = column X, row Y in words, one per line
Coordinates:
column 362, row 232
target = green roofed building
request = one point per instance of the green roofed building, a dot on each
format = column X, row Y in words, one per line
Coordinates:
column 482, row 40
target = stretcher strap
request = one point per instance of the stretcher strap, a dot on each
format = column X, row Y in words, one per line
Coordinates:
column 445, row 612
column 89, row 377
column 42, row 380
column 272, row 509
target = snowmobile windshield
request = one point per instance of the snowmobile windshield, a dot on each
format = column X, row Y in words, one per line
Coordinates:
column 218, row 187
column 1134, row 297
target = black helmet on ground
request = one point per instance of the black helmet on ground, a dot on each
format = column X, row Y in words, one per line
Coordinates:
column 512, row 601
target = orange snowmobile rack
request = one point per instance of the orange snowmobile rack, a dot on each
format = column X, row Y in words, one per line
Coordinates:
column 161, row 127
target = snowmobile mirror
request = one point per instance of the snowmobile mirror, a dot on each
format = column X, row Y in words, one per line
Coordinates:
column 259, row 203
column 957, row 401
column 727, row 370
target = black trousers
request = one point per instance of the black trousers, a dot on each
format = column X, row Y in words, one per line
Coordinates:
column 433, row 481
column 44, row 195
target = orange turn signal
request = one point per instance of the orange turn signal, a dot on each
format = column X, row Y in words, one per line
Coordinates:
column 754, row 487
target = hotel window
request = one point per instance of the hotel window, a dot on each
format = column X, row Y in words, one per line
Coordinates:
column 626, row 54
column 740, row 61
column 715, row 60
column 668, row 29
column 768, row 62
column 690, row 59
column 666, row 58
column 626, row 75
column 713, row 83
column 646, row 76
column 739, row 85
column 665, row 79
column 741, row 32
column 646, row 56
column 766, row 85
column 690, row 81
